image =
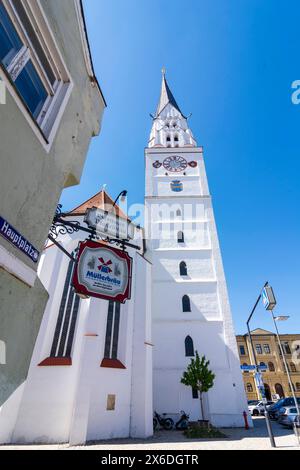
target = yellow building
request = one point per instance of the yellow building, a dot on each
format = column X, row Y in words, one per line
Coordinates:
column 268, row 353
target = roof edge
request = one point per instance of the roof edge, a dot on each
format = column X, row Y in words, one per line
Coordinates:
column 86, row 45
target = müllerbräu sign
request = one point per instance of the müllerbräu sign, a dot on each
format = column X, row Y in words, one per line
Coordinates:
column 102, row 272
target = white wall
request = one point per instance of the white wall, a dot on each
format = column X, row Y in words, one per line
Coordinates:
column 69, row 403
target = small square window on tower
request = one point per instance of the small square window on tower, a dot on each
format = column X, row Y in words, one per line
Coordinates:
column 111, row 403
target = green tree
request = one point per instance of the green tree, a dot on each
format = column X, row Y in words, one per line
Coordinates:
column 199, row 377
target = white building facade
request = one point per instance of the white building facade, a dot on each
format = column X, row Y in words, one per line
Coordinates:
column 90, row 376
column 190, row 306
column 99, row 369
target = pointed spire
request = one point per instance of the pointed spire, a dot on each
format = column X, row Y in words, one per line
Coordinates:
column 166, row 96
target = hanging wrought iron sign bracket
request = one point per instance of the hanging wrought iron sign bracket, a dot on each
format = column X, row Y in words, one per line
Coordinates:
column 61, row 226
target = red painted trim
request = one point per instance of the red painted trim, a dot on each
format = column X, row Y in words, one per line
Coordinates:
column 112, row 364
column 56, row 362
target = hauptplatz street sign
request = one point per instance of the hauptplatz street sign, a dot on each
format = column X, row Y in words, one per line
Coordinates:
column 8, row 232
column 103, row 272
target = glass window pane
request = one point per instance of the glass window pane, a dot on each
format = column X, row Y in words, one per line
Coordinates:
column 10, row 43
column 31, row 89
column 35, row 42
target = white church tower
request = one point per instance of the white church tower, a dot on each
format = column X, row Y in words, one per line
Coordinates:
column 190, row 306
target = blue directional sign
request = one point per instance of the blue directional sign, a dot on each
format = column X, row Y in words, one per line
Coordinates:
column 248, row 368
column 17, row 240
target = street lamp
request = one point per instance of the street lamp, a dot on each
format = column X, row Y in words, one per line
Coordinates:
column 282, row 318
column 275, row 320
column 122, row 196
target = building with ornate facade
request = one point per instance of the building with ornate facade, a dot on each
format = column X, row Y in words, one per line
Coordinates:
column 268, row 354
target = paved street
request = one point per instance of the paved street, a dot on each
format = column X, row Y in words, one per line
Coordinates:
column 238, row 439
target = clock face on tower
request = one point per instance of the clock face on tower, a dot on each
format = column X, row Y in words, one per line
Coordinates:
column 175, row 164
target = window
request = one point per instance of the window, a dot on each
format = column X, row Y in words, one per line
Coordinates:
column 195, row 394
column 294, row 388
column 180, row 237
column 298, row 386
column 183, row 269
column 189, row 347
column 186, row 304
column 293, row 367
column 249, row 388
column 245, row 371
column 176, row 139
column 258, row 348
column 286, row 347
column 112, row 331
column 242, row 351
column 263, row 365
column 267, row 349
column 168, row 138
column 67, row 319
column 178, row 213
column 271, row 367
column 30, row 59
column 279, row 390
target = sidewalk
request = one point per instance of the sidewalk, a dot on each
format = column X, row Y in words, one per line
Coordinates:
column 238, row 439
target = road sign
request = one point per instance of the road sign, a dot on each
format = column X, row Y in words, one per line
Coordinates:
column 102, row 272
column 8, row 232
column 260, row 385
column 268, row 298
column 248, row 368
column 109, row 224
column 263, row 368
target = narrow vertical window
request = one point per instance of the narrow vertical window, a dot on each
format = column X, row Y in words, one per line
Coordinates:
column 189, row 347
column 180, row 237
column 183, row 269
column 186, row 304
column 111, row 348
column 63, row 340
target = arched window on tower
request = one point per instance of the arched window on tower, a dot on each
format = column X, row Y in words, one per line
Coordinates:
column 186, row 304
column 189, row 347
column 168, row 138
column 249, row 388
column 180, row 237
column 183, row 269
column 176, row 138
column 178, row 213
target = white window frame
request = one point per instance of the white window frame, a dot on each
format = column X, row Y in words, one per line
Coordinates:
column 46, row 125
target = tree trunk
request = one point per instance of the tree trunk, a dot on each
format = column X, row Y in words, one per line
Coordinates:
column 202, row 408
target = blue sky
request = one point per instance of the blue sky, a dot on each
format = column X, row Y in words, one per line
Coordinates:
column 231, row 63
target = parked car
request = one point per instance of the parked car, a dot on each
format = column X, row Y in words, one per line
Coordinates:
column 274, row 410
column 256, row 408
column 287, row 416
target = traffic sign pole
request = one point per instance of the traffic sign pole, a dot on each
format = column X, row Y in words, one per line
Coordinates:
column 268, row 422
